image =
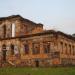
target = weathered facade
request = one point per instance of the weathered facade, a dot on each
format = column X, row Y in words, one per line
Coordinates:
column 25, row 43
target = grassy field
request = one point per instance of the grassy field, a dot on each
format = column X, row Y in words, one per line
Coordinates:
column 38, row 71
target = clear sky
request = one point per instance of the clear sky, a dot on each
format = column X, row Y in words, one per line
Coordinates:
column 54, row 14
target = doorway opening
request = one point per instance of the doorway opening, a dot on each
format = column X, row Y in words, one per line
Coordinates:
column 37, row 63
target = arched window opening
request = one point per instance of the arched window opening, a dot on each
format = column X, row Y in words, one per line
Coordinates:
column 61, row 45
column 47, row 46
column 4, row 31
column 12, row 49
column 4, row 47
column 36, row 48
column 26, row 48
column 13, row 30
column 4, row 52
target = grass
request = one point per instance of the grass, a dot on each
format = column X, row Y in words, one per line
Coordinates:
column 38, row 71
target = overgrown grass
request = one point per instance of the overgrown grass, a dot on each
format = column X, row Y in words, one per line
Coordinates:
column 38, row 71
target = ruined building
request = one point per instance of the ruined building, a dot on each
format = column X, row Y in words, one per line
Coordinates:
column 25, row 43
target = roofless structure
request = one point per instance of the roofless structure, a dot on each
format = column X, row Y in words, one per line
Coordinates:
column 26, row 43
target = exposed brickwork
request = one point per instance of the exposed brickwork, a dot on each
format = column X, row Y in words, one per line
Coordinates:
column 33, row 46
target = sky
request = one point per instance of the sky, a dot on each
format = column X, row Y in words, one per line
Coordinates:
column 53, row 14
